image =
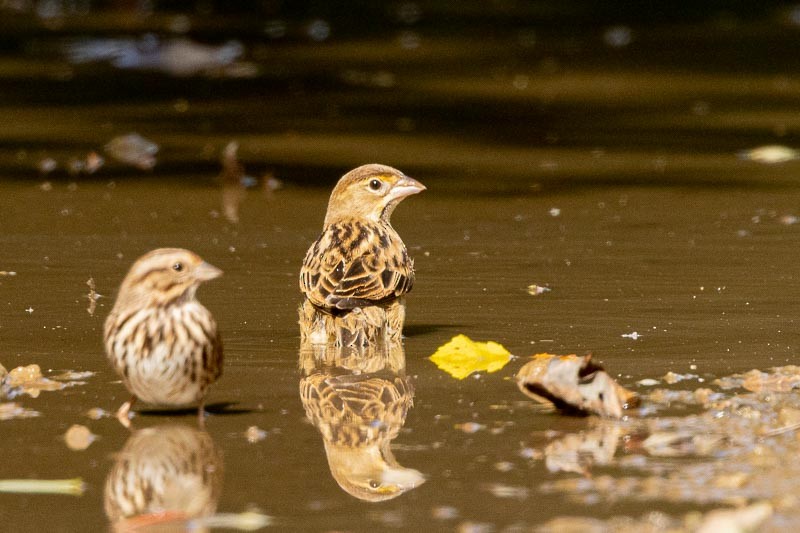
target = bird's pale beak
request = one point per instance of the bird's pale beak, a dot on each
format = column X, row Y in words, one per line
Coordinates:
column 405, row 186
column 401, row 479
column 207, row 271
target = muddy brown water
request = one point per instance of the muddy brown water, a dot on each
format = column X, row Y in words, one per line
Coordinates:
column 610, row 175
column 706, row 277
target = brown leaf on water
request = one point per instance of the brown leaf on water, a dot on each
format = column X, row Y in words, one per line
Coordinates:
column 574, row 384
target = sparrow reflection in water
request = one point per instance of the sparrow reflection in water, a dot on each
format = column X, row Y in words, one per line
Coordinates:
column 167, row 474
column 356, row 274
column 358, row 399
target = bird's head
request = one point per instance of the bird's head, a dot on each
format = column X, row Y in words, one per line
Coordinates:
column 164, row 276
column 370, row 192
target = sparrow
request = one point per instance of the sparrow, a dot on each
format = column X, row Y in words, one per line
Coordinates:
column 159, row 338
column 356, row 274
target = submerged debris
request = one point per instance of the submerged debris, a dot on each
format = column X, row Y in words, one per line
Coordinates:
column 462, row 356
column 573, row 383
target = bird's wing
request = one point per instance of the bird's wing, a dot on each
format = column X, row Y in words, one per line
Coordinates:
column 346, row 275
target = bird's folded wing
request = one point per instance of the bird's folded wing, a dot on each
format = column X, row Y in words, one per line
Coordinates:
column 364, row 280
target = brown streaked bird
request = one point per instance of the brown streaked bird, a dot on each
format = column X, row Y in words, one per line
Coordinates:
column 159, row 338
column 356, row 274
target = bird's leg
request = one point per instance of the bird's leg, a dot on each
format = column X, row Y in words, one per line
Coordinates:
column 123, row 413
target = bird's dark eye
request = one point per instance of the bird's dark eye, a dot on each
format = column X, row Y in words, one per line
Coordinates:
column 374, row 484
column 177, row 267
column 375, row 184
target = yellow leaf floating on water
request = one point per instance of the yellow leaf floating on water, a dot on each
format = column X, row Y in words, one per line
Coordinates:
column 462, row 356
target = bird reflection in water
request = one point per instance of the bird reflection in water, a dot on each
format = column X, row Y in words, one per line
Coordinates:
column 358, row 399
column 163, row 477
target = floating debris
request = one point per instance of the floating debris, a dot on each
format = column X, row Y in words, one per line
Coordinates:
column 13, row 411
column 96, row 413
column 647, row 382
column 618, row 36
column 462, row 356
column 79, row 437
column 632, row 335
column 270, row 184
column 248, row 521
column 536, row 290
column 255, row 434
column 770, row 154
column 504, row 466
column 779, row 379
column 469, row 427
column 554, row 211
column 500, row 490
column 747, row 518
column 93, row 162
column 4, row 273
column 177, row 56
column 45, row 166
column 74, row 375
column 572, row 383
column 672, row 378
column 92, row 297
column 681, row 444
column 444, row 512
column 231, row 177
column 69, row 487
column 133, row 149
column 29, row 380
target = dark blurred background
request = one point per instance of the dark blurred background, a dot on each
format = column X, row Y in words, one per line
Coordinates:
column 520, row 94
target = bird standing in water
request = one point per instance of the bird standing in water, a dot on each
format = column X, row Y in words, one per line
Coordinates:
column 356, row 274
column 158, row 337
